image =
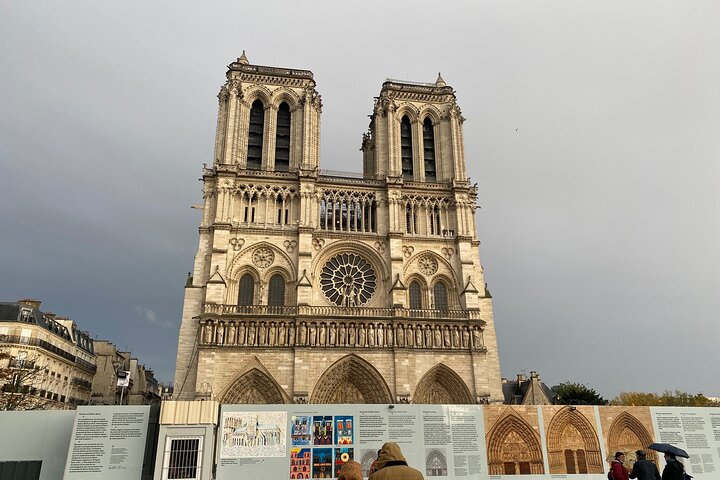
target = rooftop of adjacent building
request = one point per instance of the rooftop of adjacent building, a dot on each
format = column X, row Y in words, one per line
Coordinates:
column 515, row 392
column 27, row 311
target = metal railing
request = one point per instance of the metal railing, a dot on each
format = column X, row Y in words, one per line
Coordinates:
column 49, row 347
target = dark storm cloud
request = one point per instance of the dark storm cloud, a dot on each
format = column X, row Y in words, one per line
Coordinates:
column 592, row 132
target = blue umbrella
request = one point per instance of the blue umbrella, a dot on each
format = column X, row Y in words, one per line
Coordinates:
column 667, row 448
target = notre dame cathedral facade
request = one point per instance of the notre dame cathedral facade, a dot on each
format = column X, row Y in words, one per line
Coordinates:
column 317, row 286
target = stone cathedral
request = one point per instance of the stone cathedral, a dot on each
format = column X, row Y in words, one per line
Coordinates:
column 318, row 286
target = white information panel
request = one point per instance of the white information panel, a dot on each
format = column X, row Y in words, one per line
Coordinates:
column 107, row 442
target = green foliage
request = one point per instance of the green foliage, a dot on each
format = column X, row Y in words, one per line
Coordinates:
column 573, row 393
column 667, row 399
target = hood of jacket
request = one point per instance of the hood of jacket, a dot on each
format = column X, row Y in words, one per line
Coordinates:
column 390, row 453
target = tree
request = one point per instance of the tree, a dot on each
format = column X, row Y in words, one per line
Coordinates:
column 667, row 399
column 573, row 393
column 19, row 382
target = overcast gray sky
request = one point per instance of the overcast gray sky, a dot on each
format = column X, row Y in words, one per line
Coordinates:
column 593, row 130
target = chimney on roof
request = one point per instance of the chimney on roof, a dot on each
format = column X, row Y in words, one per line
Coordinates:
column 520, row 377
column 534, row 375
column 30, row 302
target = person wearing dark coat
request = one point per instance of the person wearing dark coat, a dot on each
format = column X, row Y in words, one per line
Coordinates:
column 644, row 469
column 673, row 469
column 617, row 469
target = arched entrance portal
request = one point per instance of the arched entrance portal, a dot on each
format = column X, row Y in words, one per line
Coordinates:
column 351, row 380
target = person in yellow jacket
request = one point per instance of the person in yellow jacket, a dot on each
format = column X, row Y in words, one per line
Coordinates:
column 391, row 465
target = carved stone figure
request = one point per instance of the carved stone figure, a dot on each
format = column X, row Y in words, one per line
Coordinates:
column 322, row 334
column 333, row 340
column 361, row 335
column 438, row 337
column 291, row 334
column 477, row 339
column 272, row 340
column 418, row 336
column 302, row 335
column 351, row 335
column 342, row 338
column 241, row 334
column 371, row 335
column 281, row 333
column 231, row 334
column 262, row 334
column 313, row 333
column 251, row 334
column 380, row 335
column 208, row 332
column 400, row 335
column 389, row 336
column 220, row 334
column 465, row 338
column 428, row 336
column 446, row 337
column 455, row 338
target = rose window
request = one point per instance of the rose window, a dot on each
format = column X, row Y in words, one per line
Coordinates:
column 348, row 280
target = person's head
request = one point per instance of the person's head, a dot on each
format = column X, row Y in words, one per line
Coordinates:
column 669, row 457
column 640, row 454
column 620, row 456
column 351, row 470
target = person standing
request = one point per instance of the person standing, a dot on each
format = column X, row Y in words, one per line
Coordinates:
column 644, row 469
column 674, row 470
column 391, row 465
column 617, row 467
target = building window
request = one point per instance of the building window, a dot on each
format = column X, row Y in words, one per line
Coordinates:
column 183, row 458
column 429, row 150
column 246, row 291
column 406, row 148
column 434, row 220
column 440, row 296
column 276, row 291
column 415, row 295
column 282, row 139
column 255, row 135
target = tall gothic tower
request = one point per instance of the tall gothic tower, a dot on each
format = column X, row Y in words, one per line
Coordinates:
column 323, row 287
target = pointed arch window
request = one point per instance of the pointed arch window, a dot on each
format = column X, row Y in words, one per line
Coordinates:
column 415, row 295
column 406, row 148
column 246, row 290
column 255, row 135
column 276, row 291
column 282, row 139
column 429, row 150
column 440, row 296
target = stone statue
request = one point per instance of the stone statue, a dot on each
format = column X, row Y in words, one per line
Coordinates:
column 351, row 335
column 208, row 332
column 389, row 336
column 428, row 336
column 220, row 334
column 400, row 335
column 361, row 335
column 465, row 337
column 438, row 337
column 332, row 340
column 281, row 333
column 313, row 333
column 477, row 339
column 380, row 335
column 446, row 337
column 231, row 334
column 302, row 335
column 371, row 335
column 323, row 334
column 272, row 340
column 251, row 334
column 262, row 334
column 241, row 334
column 418, row 336
column 342, row 336
column 291, row 334
column 455, row 337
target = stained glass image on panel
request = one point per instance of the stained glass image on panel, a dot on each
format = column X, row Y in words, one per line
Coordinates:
column 343, row 430
column 342, row 456
column 348, row 280
column 322, row 463
column 300, row 463
column 323, row 430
